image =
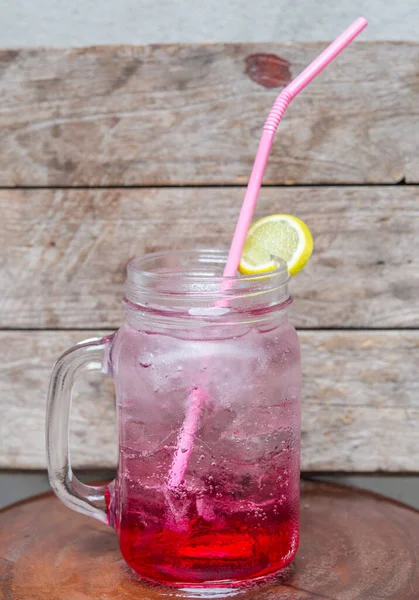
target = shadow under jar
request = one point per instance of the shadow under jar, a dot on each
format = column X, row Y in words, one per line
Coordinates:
column 207, row 377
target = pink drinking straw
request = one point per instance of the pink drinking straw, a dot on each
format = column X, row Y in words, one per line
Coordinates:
column 185, row 441
column 197, row 396
column 269, row 130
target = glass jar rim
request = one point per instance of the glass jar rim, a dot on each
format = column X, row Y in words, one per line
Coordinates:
column 198, row 273
column 181, row 285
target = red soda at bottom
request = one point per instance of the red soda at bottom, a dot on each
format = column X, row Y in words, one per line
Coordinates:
column 229, row 541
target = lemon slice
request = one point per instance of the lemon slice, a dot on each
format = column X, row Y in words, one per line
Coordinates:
column 276, row 236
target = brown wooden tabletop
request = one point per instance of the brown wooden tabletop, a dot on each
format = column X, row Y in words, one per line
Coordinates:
column 355, row 545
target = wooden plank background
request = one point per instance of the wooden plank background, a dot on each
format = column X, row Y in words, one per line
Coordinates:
column 111, row 152
column 176, row 115
column 67, row 250
column 360, row 410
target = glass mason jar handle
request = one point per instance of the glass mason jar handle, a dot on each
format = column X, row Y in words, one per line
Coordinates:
column 85, row 356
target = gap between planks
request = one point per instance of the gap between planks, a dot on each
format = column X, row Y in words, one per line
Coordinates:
column 305, row 329
column 206, row 186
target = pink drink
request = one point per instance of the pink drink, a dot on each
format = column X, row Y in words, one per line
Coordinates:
column 235, row 515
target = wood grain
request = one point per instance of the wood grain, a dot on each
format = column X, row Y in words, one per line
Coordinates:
column 360, row 402
column 174, row 115
column 67, row 250
column 354, row 545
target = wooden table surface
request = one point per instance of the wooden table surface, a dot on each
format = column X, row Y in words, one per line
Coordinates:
column 355, row 545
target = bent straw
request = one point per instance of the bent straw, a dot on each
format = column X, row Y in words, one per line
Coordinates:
column 269, row 130
column 197, row 397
